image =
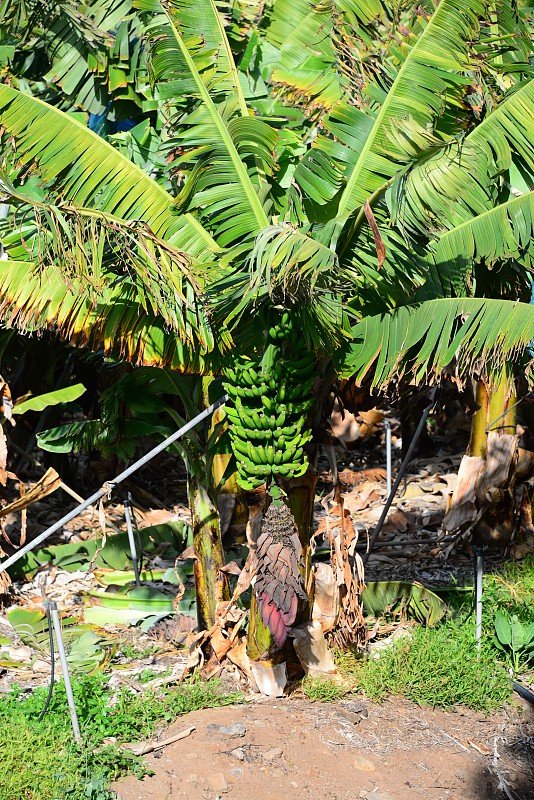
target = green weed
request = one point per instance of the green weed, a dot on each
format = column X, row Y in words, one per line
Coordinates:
column 511, row 590
column 133, row 652
column 150, row 674
column 438, row 667
column 322, row 689
column 41, row 760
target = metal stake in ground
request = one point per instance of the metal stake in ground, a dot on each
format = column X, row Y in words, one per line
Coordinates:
column 131, row 539
column 387, row 425
column 65, row 670
column 479, row 563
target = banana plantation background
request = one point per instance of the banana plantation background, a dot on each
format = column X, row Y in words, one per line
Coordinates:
column 305, row 206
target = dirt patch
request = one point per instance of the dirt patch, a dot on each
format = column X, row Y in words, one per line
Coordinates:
column 291, row 748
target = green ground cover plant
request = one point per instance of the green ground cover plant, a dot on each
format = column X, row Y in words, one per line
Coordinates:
column 438, row 667
column 511, row 590
column 42, row 761
column 322, row 689
column 515, row 640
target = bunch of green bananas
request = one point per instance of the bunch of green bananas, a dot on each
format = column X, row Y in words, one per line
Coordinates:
column 269, row 397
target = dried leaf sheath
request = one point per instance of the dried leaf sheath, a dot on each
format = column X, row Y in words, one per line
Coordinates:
column 279, row 585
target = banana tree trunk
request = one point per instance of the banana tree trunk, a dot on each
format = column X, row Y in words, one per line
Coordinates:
column 495, row 411
column 211, row 584
column 493, row 454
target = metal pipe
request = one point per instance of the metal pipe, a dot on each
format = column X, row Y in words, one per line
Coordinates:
column 478, row 594
column 387, row 425
column 131, row 539
column 111, row 484
column 402, row 470
column 65, row 670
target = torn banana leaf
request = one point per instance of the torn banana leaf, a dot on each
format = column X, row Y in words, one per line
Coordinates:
column 403, row 599
column 87, row 651
column 168, row 539
column 128, row 608
column 113, row 577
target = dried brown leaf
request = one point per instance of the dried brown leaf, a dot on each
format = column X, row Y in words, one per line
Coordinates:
column 3, row 457
column 352, row 478
column 379, row 242
column 45, row 486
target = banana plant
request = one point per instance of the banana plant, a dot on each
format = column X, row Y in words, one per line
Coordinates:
column 277, row 255
column 82, row 55
column 139, row 404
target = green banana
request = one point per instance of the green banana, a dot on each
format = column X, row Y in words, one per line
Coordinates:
column 248, row 377
column 249, row 484
column 269, row 454
column 292, row 470
column 269, row 403
column 281, row 418
column 305, row 362
column 279, row 457
column 259, row 435
column 279, row 438
column 241, row 447
column 259, row 420
column 301, row 390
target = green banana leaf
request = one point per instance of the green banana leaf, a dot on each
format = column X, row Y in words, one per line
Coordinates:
column 130, row 607
column 42, row 401
column 111, row 577
column 87, row 651
column 408, row 600
column 170, row 537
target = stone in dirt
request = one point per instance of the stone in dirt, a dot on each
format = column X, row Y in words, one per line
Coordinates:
column 233, row 731
column 217, row 782
column 237, row 772
column 274, row 753
column 356, row 708
column 238, row 753
column 363, row 764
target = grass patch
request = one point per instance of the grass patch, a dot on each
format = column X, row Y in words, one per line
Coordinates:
column 322, row 689
column 134, row 652
column 438, row 667
column 40, row 760
column 511, row 590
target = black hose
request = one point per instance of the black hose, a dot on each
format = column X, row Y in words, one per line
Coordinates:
column 52, row 664
column 521, row 690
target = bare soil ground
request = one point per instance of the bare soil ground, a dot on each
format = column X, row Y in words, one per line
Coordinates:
column 292, row 748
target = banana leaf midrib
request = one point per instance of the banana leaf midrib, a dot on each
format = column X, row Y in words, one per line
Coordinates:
column 443, row 240
column 240, row 168
column 390, row 99
column 115, row 156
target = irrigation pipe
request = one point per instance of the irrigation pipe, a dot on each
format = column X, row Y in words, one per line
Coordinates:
column 402, row 470
column 108, row 488
column 523, row 692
